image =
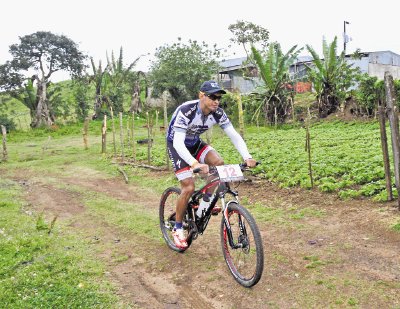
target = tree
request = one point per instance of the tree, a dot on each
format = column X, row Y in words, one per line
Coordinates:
column 276, row 87
column 248, row 34
column 81, row 95
column 119, row 75
column 369, row 92
column 44, row 53
column 100, row 79
column 332, row 77
column 113, row 82
column 139, row 90
column 181, row 68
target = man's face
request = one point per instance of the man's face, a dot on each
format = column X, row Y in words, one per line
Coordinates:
column 211, row 101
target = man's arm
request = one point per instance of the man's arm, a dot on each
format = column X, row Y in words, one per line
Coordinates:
column 238, row 142
column 180, row 147
column 240, row 145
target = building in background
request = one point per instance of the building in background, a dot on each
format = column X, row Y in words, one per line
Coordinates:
column 239, row 75
column 377, row 63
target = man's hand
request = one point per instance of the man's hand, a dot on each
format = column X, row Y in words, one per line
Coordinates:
column 203, row 167
column 251, row 162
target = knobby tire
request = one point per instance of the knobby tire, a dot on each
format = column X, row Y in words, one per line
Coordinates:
column 252, row 253
column 167, row 217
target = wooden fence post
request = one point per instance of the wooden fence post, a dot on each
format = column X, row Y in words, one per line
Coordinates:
column 148, row 139
column 240, row 114
column 113, row 131
column 385, row 152
column 133, row 137
column 128, row 133
column 394, row 127
column 121, row 135
column 308, row 148
column 85, row 132
column 104, row 135
column 46, row 145
column 4, row 134
column 156, row 126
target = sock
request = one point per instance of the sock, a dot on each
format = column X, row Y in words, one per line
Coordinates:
column 178, row 225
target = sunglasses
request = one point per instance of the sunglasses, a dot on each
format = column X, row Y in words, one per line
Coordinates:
column 214, row 97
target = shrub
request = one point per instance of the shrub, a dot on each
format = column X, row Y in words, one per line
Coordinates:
column 8, row 123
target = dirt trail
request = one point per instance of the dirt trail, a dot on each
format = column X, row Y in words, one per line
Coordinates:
column 347, row 256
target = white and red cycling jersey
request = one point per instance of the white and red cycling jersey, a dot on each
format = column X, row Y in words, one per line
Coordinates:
column 189, row 119
column 183, row 136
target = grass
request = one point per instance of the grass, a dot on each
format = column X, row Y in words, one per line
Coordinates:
column 346, row 156
column 42, row 265
column 276, row 213
column 56, row 269
column 396, row 227
column 47, row 269
column 134, row 218
column 15, row 111
column 314, row 262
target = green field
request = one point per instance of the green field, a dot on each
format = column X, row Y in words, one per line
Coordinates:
column 55, row 265
column 346, row 157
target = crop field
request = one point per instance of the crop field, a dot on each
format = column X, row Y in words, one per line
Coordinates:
column 346, row 157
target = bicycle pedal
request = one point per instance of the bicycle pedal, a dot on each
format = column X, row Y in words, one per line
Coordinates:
column 215, row 211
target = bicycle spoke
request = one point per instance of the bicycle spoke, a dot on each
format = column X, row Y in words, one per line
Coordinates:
column 167, row 216
column 245, row 257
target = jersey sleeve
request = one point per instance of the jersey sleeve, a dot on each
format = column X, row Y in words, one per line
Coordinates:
column 183, row 152
column 222, row 119
column 181, row 122
column 238, row 142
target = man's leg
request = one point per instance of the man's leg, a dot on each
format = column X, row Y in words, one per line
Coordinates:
column 187, row 188
column 214, row 159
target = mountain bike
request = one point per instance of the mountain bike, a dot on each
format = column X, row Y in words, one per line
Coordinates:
column 240, row 237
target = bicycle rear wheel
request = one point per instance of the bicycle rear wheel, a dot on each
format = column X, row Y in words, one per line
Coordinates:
column 245, row 257
column 167, row 218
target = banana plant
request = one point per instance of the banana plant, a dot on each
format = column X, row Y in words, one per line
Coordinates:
column 101, row 82
column 331, row 76
column 118, row 77
column 276, row 88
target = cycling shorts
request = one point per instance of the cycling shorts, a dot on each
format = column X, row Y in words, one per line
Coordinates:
column 181, row 168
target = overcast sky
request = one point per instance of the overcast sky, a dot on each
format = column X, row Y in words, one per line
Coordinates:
column 140, row 26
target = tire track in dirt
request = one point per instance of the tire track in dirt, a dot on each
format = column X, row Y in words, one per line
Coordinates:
column 136, row 282
column 351, row 234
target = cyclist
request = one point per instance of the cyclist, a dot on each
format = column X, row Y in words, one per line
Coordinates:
column 187, row 151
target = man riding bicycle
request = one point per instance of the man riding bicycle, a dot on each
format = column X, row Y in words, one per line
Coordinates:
column 187, row 151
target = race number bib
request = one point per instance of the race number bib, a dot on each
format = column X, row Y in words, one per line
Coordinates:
column 230, row 173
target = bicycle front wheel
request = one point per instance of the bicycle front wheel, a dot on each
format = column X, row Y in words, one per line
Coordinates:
column 243, row 252
column 167, row 212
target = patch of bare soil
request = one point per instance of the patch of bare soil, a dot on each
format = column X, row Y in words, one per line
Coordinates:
column 347, row 256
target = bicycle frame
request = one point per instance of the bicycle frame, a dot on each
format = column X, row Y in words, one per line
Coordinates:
column 241, row 240
column 199, row 225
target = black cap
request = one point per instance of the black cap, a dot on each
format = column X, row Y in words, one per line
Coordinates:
column 210, row 87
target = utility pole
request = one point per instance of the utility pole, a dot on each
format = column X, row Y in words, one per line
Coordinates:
column 344, row 36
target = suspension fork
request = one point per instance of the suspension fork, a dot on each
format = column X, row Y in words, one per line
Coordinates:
column 228, row 225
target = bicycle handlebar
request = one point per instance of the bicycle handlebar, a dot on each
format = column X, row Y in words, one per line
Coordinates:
column 242, row 167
